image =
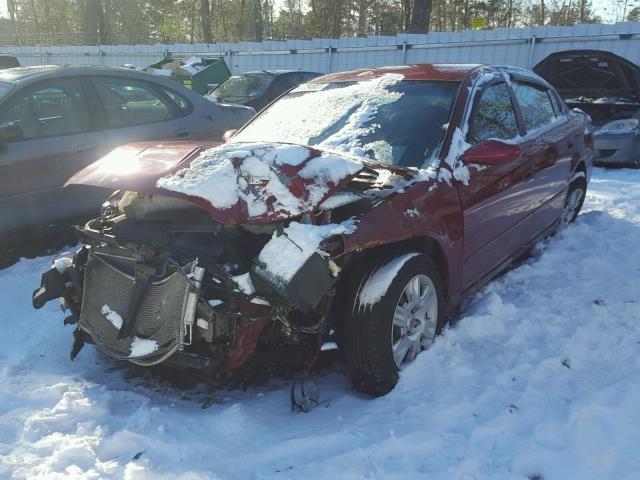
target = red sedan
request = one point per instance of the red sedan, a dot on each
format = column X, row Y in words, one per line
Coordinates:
column 360, row 208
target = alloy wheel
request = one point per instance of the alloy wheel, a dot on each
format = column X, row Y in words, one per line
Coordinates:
column 415, row 319
column 571, row 206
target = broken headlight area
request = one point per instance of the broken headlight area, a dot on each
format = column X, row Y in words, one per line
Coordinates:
column 160, row 281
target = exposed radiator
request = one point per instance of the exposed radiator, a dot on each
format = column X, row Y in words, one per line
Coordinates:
column 108, row 287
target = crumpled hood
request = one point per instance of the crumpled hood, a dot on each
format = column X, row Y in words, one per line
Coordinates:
column 237, row 183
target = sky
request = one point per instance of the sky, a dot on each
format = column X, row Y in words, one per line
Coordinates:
column 600, row 6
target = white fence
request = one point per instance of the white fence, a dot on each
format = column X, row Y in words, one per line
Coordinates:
column 521, row 47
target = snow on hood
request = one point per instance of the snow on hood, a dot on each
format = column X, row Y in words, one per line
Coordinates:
column 258, row 182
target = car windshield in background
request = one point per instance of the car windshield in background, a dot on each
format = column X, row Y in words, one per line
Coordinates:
column 387, row 119
column 5, row 88
column 243, row 86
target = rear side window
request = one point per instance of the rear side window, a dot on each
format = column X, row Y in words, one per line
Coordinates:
column 130, row 102
column 51, row 109
column 494, row 116
column 181, row 103
column 535, row 104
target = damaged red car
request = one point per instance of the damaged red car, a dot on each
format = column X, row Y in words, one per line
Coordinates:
column 360, row 208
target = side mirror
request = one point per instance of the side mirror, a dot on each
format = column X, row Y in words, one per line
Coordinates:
column 228, row 134
column 10, row 132
column 491, row 152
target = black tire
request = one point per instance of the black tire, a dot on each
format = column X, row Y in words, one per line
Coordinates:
column 568, row 217
column 368, row 332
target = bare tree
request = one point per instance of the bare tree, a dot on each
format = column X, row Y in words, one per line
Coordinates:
column 363, row 6
column 205, row 21
column 90, row 21
column 420, row 16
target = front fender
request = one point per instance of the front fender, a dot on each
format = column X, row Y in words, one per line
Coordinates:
column 426, row 209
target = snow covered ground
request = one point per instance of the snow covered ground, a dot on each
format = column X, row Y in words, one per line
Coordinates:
column 539, row 379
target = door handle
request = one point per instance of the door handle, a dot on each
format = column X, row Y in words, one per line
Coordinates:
column 183, row 134
column 86, row 148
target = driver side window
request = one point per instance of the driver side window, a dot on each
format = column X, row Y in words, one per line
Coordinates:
column 48, row 110
column 494, row 117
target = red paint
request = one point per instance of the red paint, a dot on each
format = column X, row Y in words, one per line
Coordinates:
column 409, row 72
column 246, row 341
column 138, row 166
column 491, row 152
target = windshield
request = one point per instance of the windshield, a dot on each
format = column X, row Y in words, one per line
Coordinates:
column 247, row 85
column 4, row 88
column 387, row 119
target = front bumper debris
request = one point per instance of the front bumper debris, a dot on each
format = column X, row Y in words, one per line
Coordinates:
column 131, row 317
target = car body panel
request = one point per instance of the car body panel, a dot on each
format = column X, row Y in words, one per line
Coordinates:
column 141, row 168
column 427, row 209
column 409, row 72
column 36, row 199
column 616, row 149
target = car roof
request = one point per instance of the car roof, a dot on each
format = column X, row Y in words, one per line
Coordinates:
column 20, row 74
column 425, row 71
column 278, row 72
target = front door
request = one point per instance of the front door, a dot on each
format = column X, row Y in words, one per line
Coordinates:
column 55, row 141
column 496, row 198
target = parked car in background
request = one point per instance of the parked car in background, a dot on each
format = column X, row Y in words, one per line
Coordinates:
column 8, row 61
column 360, row 207
column 258, row 89
column 56, row 120
column 607, row 87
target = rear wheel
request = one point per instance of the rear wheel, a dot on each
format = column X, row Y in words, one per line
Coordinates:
column 573, row 202
column 395, row 314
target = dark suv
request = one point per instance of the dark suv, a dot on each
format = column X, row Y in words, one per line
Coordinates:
column 8, row 61
column 259, row 89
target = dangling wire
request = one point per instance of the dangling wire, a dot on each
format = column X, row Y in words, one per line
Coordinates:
column 309, row 395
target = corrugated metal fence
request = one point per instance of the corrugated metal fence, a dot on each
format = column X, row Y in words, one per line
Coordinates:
column 520, row 47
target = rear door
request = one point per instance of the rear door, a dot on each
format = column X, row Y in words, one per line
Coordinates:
column 58, row 139
column 135, row 111
column 550, row 142
column 496, row 198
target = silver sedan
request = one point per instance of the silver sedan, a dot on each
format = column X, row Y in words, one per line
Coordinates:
column 56, row 120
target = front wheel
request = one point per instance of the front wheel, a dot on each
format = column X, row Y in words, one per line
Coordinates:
column 394, row 314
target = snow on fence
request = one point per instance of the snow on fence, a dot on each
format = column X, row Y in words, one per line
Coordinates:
column 522, row 47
